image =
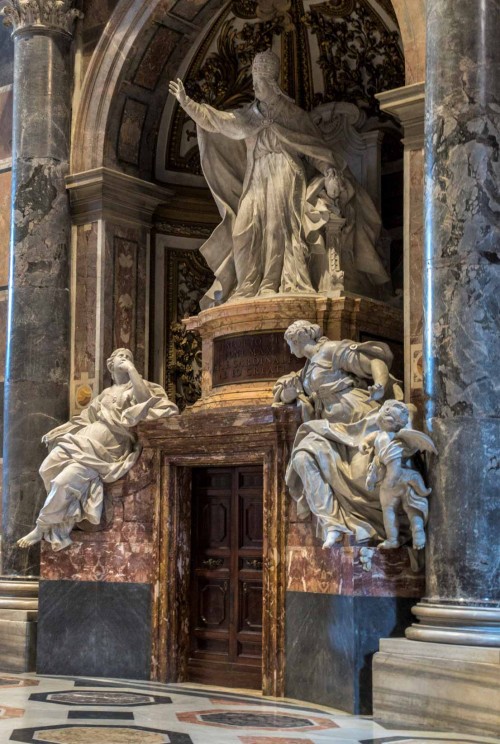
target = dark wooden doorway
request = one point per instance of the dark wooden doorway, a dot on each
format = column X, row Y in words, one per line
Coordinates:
column 225, row 646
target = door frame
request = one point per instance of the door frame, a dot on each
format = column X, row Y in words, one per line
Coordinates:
column 173, row 536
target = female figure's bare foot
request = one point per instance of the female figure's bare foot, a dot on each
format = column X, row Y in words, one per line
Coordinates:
column 31, row 538
column 332, row 537
column 388, row 545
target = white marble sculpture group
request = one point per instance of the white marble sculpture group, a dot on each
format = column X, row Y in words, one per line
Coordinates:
column 348, row 443
column 275, row 182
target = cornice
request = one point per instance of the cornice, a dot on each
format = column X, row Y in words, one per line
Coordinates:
column 103, row 193
column 408, row 105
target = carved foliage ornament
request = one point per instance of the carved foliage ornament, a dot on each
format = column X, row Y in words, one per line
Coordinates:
column 51, row 14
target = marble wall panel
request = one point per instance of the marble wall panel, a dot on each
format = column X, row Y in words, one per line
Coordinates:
column 3, row 332
column 125, row 291
column 85, row 301
column 6, row 56
column 414, row 161
column 411, row 20
column 155, row 57
column 5, row 187
column 129, row 137
column 330, row 641
column 124, row 550
column 343, row 570
column 97, row 629
column 6, row 98
column 130, row 291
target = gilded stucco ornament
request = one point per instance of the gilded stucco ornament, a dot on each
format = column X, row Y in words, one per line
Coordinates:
column 97, row 446
column 25, row 15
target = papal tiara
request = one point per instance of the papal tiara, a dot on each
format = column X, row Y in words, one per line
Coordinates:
column 266, row 64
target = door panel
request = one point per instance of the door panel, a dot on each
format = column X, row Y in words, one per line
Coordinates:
column 226, row 577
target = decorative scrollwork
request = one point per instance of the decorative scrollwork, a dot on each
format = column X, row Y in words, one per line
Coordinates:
column 188, row 279
column 255, row 563
column 225, row 79
column 359, row 56
column 52, row 14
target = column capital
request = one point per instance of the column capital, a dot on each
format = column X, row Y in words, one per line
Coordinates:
column 40, row 16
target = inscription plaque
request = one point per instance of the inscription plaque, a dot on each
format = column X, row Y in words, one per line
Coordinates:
column 252, row 358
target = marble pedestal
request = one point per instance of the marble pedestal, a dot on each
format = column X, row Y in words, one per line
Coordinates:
column 18, row 624
column 339, row 603
column 244, row 352
column 438, row 685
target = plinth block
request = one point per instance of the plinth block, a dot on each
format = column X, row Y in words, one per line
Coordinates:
column 18, row 623
column 243, row 348
column 446, row 686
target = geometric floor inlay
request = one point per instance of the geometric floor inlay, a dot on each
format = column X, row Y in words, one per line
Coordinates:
column 99, row 697
column 246, row 719
column 6, row 712
column 6, row 681
column 272, row 740
column 77, row 710
column 88, row 734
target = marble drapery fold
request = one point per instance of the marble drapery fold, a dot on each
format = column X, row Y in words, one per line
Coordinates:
column 262, row 164
column 93, row 448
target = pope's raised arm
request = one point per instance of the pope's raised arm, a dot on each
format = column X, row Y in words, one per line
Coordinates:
column 208, row 118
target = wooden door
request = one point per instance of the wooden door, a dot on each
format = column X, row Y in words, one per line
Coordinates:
column 226, row 577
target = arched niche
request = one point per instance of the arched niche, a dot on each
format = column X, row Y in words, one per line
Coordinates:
column 125, row 68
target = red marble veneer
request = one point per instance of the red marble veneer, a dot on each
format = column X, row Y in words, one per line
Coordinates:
column 339, row 570
column 125, row 550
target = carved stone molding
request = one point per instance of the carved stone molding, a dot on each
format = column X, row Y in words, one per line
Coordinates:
column 27, row 16
column 408, row 105
column 105, row 193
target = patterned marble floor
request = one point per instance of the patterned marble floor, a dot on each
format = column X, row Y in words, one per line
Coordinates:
column 63, row 710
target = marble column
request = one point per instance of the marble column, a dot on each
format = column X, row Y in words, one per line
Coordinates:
column 446, row 673
column 461, row 323
column 38, row 351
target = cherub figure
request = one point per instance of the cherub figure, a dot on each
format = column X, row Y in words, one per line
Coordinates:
column 401, row 486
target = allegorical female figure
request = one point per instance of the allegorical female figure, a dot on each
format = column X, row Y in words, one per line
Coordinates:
column 93, row 448
column 269, row 169
column 339, row 390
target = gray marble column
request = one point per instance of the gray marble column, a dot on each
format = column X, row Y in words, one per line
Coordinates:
column 37, row 367
column 462, row 323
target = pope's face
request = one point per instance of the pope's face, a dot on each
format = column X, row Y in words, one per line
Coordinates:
column 263, row 88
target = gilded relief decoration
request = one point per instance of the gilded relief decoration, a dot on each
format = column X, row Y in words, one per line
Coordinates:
column 359, row 56
column 188, row 278
column 337, row 50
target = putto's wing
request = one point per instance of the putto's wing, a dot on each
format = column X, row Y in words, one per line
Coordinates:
column 416, row 441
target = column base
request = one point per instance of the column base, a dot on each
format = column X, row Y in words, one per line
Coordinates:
column 18, row 623
column 466, row 625
column 437, row 685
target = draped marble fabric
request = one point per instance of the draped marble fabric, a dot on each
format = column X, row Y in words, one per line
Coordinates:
column 93, row 448
column 326, row 474
column 262, row 163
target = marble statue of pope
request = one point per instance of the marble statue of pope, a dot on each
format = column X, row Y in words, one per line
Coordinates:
column 269, row 169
